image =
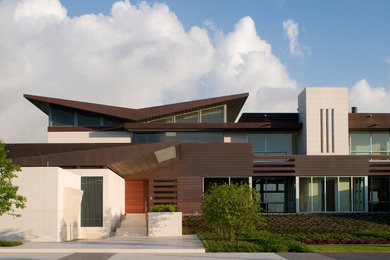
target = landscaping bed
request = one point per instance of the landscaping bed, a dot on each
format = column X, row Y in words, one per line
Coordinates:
column 304, row 223
column 298, row 232
column 362, row 237
column 261, row 241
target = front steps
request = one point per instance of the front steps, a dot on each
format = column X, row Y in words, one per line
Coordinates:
column 132, row 225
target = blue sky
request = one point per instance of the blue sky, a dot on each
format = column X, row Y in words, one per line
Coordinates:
column 139, row 54
column 349, row 40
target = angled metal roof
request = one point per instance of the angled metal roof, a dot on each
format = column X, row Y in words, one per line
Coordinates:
column 234, row 105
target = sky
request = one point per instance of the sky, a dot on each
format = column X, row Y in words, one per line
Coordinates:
column 146, row 53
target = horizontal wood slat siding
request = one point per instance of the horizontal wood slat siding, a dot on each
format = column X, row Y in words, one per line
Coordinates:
column 313, row 165
column 190, row 194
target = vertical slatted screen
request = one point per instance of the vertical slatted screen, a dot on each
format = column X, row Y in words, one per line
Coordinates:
column 92, row 202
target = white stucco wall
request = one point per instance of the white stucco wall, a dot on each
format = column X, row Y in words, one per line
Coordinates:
column 113, row 202
column 89, row 137
column 164, row 224
column 310, row 102
column 42, row 219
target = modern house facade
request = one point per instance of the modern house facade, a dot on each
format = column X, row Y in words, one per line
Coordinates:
column 101, row 162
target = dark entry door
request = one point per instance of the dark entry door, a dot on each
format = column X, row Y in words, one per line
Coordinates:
column 136, row 195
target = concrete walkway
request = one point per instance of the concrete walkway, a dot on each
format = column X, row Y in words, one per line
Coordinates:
column 139, row 244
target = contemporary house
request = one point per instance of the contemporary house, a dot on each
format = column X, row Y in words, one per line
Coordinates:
column 101, row 162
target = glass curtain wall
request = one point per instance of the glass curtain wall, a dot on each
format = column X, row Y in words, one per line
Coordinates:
column 186, row 137
column 274, row 143
column 379, row 194
column 209, row 115
column 331, row 194
column 277, row 193
column 369, row 142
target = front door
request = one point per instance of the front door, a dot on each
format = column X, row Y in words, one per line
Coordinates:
column 136, row 196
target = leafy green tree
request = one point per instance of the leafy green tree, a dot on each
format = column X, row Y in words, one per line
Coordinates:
column 232, row 209
column 9, row 199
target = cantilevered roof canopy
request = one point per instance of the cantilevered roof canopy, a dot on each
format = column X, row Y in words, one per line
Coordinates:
column 124, row 159
column 234, row 105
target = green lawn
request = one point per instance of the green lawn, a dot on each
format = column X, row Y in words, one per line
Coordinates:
column 349, row 248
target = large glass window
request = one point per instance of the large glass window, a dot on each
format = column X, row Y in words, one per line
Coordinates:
column 188, row 118
column 305, row 194
column 186, row 137
column 369, row 142
column 273, row 143
column 213, row 115
column 318, row 194
column 92, row 202
column 110, row 122
column 380, row 143
column 332, row 194
column 61, row 116
column 360, row 143
column 86, row 119
column 277, row 193
column 358, row 194
column 208, row 182
column 379, row 195
column 164, row 120
column 343, row 194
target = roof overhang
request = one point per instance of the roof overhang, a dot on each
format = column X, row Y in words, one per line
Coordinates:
column 234, row 104
column 147, row 161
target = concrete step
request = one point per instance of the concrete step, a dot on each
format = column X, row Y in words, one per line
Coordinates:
column 133, row 220
column 130, row 224
column 136, row 231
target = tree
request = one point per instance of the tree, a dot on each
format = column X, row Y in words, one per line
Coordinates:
column 232, row 209
column 9, row 199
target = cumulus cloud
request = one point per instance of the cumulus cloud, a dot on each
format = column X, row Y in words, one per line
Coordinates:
column 137, row 56
column 369, row 99
column 291, row 29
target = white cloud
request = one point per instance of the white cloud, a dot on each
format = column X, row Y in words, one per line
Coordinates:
column 387, row 60
column 369, row 99
column 139, row 55
column 291, row 29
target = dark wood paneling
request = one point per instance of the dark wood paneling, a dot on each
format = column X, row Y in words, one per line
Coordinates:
column 136, row 195
column 369, row 121
column 311, row 165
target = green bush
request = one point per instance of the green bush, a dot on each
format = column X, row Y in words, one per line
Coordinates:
column 373, row 234
column 260, row 241
column 230, row 246
column 195, row 224
column 10, row 243
column 164, row 208
column 232, row 209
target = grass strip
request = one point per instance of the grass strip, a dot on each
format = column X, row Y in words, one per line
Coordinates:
column 337, row 248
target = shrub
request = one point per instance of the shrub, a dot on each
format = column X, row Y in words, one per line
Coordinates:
column 229, row 246
column 10, row 243
column 232, row 209
column 261, row 241
column 195, row 224
column 164, row 208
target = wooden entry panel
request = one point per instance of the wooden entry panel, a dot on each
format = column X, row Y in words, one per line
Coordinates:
column 136, row 195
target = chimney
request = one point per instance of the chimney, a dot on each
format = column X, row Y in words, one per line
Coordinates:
column 354, row 109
